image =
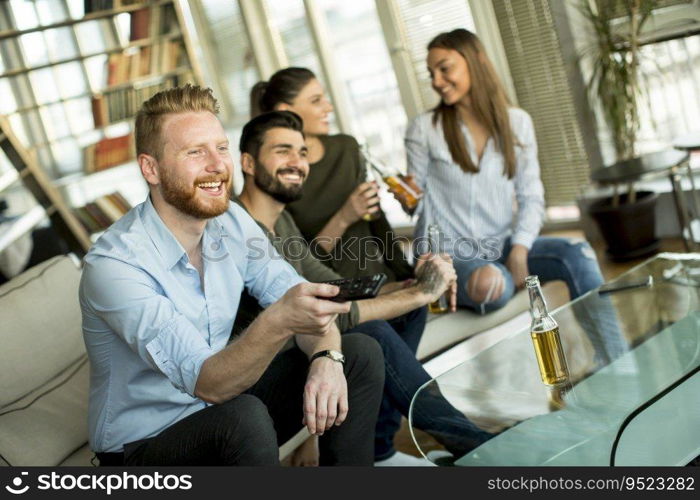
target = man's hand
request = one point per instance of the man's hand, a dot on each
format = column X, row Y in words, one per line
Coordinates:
column 517, row 265
column 303, row 310
column 435, row 275
column 325, row 396
column 363, row 200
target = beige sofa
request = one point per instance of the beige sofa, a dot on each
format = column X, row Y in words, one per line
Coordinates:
column 44, row 368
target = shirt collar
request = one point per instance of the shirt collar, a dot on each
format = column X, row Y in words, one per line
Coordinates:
column 165, row 243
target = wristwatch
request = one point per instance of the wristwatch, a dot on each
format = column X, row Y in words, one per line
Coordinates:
column 334, row 355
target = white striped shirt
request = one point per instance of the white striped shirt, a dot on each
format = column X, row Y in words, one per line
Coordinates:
column 477, row 205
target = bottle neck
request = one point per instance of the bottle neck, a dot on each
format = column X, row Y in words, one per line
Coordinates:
column 538, row 307
column 435, row 238
column 374, row 164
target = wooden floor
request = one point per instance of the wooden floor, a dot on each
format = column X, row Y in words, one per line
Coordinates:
column 610, row 269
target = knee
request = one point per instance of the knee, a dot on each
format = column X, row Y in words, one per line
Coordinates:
column 245, row 422
column 486, row 284
column 379, row 330
column 579, row 250
column 364, row 355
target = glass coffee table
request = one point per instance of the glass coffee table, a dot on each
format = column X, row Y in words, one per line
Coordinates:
column 633, row 396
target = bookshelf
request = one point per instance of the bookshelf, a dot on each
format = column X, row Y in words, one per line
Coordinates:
column 72, row 75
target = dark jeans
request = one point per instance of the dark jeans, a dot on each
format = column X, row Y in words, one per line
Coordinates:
column 399, row 340
column 248, row 429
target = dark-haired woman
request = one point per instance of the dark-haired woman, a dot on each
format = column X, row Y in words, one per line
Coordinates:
column 336, row 196
column 473, row 156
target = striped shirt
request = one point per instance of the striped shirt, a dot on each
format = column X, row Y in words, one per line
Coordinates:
column 478, row 205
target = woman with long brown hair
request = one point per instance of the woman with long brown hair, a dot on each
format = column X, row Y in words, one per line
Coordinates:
column 474, row 155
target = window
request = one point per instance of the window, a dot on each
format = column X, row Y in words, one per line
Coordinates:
column 237, row 71
column 288, row 17
column 539, row 74
column 670, row 75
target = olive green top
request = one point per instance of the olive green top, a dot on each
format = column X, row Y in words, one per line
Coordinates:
column 363, row 248
column 291, row 245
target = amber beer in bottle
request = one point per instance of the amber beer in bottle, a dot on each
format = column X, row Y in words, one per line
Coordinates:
column 441, row 305
column 545, row 337
column 406, row 190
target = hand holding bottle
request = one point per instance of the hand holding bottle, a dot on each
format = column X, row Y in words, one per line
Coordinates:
column 437, row 279
column 406, row 191
column 364, row 200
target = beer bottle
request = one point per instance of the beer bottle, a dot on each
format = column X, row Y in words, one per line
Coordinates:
column 403, row 187
column 545, row 337
column 441, row 305
column 369, row 177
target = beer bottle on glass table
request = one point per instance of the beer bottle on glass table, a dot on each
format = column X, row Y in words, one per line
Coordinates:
column 545, row 337
column 441, row 305
column 402, row 186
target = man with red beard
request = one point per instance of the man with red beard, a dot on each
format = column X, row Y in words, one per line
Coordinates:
column 159, row 294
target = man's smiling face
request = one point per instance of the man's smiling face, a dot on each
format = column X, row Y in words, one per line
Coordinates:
column 196, row 165
column 282, row 165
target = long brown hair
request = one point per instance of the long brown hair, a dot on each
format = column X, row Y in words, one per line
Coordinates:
column 488, row 98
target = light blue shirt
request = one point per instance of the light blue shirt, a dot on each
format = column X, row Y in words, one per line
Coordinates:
column 477, row 205
column 148, row 325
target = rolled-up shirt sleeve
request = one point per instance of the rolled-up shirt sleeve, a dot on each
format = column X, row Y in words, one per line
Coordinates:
column 529, row 192
column 132, row 306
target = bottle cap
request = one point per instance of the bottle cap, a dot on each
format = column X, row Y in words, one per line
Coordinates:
column 532, row 281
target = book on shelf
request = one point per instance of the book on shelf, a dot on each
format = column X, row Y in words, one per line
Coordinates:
column 135, row 62
column 140, row 24
column 119, row 104
column 108, row 152
column 104, row 211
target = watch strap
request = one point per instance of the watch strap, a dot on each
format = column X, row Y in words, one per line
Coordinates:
column 334, row 355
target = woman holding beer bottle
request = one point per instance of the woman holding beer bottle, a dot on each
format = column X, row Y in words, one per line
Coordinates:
column 339, row 212
column 473, row 155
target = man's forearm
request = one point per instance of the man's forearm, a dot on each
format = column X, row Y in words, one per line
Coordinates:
column 391, row 305
column 312, row 344
column 392, row 287
column 236, row 368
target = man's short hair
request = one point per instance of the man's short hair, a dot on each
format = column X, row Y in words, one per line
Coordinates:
column 253, row 134
column 150, row 117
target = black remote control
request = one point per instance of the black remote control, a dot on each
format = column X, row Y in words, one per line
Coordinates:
column 364, row 287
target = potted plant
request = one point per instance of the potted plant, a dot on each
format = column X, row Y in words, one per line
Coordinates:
column 626, row 221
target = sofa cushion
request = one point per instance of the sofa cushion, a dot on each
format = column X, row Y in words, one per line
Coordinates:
column 48, row 425
column 81, row 458
column 40, row 327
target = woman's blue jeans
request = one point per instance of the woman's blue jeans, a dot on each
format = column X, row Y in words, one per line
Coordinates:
column 572, row 261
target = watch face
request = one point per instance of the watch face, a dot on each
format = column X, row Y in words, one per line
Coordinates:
column 336, row 356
